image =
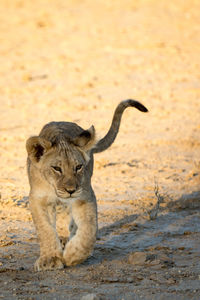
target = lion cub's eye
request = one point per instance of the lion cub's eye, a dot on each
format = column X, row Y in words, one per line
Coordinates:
column 79, row 167
column 57, row 169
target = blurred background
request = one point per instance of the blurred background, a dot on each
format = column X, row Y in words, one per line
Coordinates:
column 75, row 61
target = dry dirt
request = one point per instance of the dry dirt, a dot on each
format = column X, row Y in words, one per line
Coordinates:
column 75, row 60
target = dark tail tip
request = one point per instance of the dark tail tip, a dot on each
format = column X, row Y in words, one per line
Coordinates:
column 137, row 105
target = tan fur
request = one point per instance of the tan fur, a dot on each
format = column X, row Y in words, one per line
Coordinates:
column 60, row 167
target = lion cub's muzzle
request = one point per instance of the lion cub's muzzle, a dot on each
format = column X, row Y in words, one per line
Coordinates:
column 67, row 192
column 70, row 191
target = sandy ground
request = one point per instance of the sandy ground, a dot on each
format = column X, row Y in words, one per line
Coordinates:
column 75, row 60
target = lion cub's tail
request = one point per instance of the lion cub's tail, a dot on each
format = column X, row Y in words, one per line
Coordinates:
column 109, row 138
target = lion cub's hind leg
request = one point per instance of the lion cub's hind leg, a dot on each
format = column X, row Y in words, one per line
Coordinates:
column 72, row 228
column 72, row 231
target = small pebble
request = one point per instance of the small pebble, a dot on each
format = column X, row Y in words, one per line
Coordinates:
column 91, row 297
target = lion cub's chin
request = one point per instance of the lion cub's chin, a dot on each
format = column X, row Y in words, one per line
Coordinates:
column 67, row 199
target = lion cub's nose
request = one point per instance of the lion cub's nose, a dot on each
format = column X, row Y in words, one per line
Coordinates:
column 70, row 191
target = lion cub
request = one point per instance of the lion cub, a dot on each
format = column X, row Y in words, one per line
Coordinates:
column 60, row 167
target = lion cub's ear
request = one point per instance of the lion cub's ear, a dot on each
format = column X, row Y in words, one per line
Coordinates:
column 86, row 140
column 36, row 147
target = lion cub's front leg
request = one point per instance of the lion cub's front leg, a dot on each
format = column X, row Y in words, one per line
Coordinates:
column 50, row 248
column 82, row 243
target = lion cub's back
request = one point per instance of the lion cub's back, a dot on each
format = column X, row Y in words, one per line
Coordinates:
column 54, row 129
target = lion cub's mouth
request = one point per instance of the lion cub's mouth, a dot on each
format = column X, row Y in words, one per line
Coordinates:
column 66, row 196
column 65, row 199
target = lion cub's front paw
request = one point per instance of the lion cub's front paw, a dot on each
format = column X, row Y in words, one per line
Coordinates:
column 75, row 254
column 48, row 263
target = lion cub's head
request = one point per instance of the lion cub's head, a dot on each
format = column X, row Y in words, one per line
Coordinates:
column 61, row 161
